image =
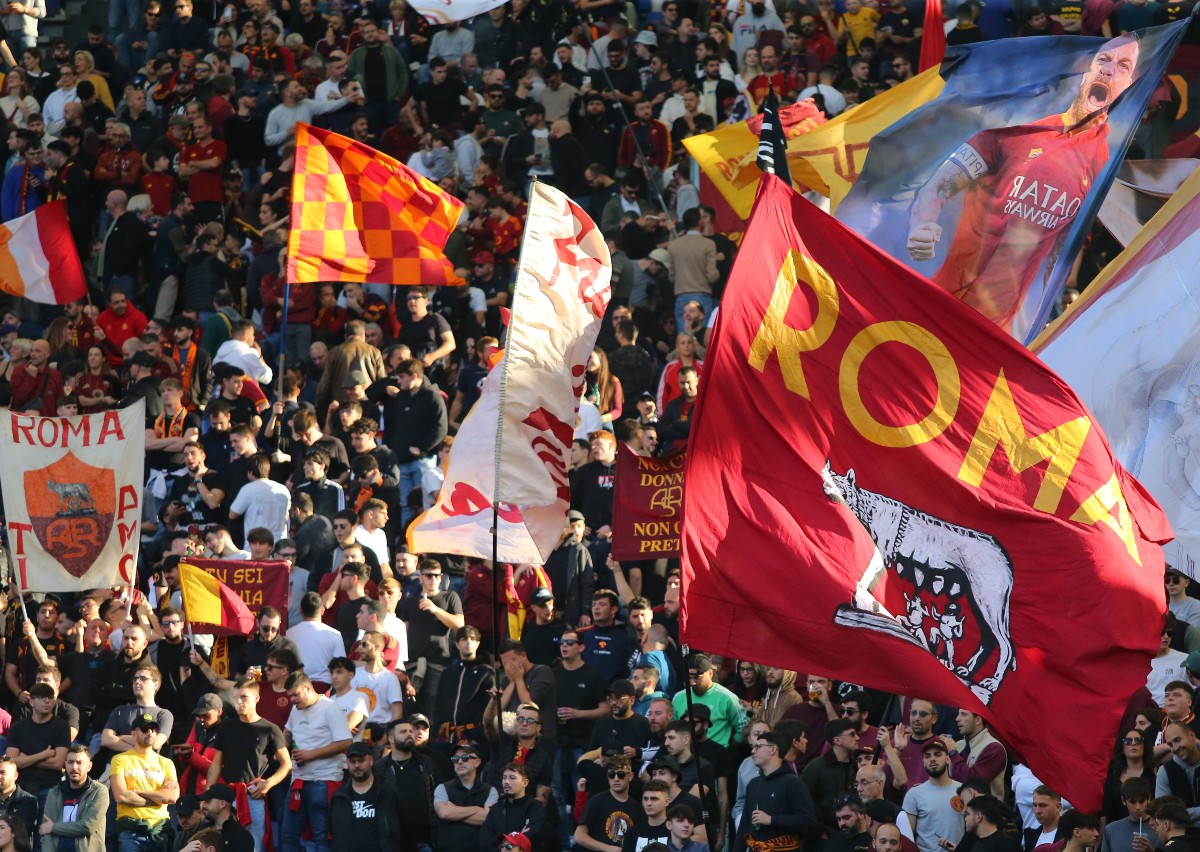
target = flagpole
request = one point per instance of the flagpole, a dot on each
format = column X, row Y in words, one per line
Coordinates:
column 512, row 316
column 287, row 297
column 16, row 577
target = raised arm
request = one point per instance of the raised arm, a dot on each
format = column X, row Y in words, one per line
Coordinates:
column 952, row 177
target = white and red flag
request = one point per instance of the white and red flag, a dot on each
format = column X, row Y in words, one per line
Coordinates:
column 514, row 446
column 445, row 11
column 73, row 497
column 38, row 259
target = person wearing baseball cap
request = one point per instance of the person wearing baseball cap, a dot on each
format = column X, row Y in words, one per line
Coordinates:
column 726, row 712
column 143, row 784
column 471, row 798
column 543, row 633
column 364, row 812
column 217, row 802
column 515, row 842
column 569, row 568
column 623, row 725
column 928, row 805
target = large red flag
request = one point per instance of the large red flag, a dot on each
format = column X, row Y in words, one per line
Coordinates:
column 917, row 503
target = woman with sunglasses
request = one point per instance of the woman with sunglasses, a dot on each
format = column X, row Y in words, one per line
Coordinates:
column 1129, row 761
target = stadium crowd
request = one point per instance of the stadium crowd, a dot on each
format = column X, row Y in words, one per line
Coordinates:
column 368, row 716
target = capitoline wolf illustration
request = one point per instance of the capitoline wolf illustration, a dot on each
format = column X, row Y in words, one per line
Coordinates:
column 959, row 577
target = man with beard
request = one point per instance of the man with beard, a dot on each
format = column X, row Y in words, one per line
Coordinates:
column 1025, row 185
column 364, row 813
column 413, row 774
column 516, row 812
column 852, row 833
column 623, row 727
column 781, row 694
column 928, row 806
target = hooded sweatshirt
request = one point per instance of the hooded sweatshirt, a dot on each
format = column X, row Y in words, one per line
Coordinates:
column 778, row 699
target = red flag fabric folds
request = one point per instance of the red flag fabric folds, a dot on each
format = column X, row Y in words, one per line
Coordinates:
column 917, row 504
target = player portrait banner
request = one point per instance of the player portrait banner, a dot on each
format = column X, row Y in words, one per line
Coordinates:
column 258, row 584
column 917, row 501
column 1127, row 347
column 989, row 189
column 647, row 505
column 514, row 447
column 73, row 497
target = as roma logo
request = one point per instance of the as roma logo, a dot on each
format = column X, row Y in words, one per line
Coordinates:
column 72, row 506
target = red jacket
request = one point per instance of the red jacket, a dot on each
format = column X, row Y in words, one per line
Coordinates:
column 46, row 384
column 658, row 151
column 194, row 778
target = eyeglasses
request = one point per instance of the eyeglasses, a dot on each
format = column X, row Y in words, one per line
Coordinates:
column 432, row 576
column 849, row 711
column 1133, row 741
column 866, row 783
column 921, row 713
column 414, row 298
column 568, row 642
column 142, row 677
column 262, row 628
column 1173, row 580
column 618, row 774
column 462, row 758
column 528, row 720
column 172, row 622
column 286, row 554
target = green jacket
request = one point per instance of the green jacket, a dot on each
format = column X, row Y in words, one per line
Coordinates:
column 88, row 826
column 394, row 65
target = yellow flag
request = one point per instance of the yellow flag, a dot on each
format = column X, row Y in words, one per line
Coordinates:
column 827, row 158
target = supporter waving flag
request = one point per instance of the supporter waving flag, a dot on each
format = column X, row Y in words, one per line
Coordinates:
column 918, row 504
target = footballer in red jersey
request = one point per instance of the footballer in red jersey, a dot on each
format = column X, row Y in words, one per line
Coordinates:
column 1024, row 186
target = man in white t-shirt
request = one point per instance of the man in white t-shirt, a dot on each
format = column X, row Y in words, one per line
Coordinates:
column 385, row 697
column 352, row 701
column 928, row 805
column 318, row 728
column 371, row 532
column 1168, row 664
column 265, row 503
column 317, row 642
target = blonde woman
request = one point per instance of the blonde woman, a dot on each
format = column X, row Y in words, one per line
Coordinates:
column 85, row 67
column 751, row 68
column 18, row 104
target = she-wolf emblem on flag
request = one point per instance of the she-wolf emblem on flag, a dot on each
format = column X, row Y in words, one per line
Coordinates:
column 72, row 506
column 954, row 583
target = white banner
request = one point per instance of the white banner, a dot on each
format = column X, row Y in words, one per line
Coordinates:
column 531, row 397
column 1127, row 347
column 73, row 497
column 445, row 11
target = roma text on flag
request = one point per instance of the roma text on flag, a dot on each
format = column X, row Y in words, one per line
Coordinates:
column 951, row 513
column 73, row 497
column 359, row 215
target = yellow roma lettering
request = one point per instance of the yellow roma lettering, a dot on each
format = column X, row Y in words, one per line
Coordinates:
column 933, row 351
column 1001, row 424
column 775, row 335
column 1099, row 509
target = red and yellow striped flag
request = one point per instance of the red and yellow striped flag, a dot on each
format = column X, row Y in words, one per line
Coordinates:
column 359, row 215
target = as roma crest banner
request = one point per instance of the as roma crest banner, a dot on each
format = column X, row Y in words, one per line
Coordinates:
column 73, row 497
column 647, row 505
column 918, row 504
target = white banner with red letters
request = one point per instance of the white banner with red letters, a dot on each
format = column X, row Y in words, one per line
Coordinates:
column 524, row 421
column 73, row 497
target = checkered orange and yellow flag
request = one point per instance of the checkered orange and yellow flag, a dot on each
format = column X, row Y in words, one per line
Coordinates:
column 359, row 215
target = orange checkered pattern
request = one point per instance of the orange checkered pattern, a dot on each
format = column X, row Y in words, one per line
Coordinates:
column 359, row 215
